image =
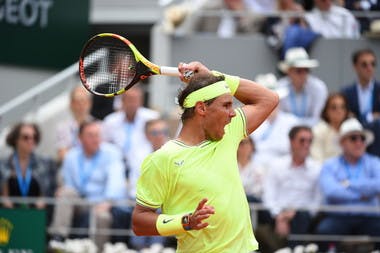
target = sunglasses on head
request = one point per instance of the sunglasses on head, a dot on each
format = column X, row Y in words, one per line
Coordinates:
column 356, row 137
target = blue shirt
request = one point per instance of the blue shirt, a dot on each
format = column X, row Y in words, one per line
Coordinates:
column 97, row 178
column 364, row 181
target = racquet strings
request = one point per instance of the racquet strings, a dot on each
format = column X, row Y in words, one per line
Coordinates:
column 109, row 65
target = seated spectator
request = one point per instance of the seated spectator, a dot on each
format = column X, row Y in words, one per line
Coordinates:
column 92, row 171
column 291, row 184
column 326, row 132
column 363, row 6
column 285, row 32
column 307, row 93
column 363, row 95
column 25, row 173
column 351, row 179
column 251, row 175
column 125, row 129
column 157, row 133
column 332, row 21
column 271, row 137
column 229, row 24
column 67, row 131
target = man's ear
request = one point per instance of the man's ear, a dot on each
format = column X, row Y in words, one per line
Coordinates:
column 200, row 108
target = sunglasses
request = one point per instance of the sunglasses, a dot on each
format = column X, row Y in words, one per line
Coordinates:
column 156, row 133
column 336, row 107
column 366, row 64
column 27, row 137
column 356, row 137
column 303, row 140
column 301, row 70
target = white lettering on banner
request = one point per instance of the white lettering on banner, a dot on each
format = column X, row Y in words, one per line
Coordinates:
column 20, row 251
column 25, row 12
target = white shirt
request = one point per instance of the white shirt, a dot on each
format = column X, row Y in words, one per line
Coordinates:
column 325, row 142
column 131, row 139
column 67, row 134
column 271, row 138
column 287, row 187
column 365, row 100
column 308, row 104
column 252, row 177
column 337, row 22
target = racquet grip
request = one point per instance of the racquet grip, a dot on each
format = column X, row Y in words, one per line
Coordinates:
column 169, row 71
column 173, row 71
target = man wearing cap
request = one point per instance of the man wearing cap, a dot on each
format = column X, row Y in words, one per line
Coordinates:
column 194, row 179
column 352, row 179
column 307, row 93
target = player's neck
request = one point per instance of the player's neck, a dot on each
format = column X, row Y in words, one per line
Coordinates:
column 191, row 135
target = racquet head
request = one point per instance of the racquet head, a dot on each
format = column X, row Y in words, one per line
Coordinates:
column 110, row 64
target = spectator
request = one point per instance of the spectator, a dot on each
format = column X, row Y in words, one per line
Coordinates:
column 125, row 129
column 363, row 95
column 352, row 178
column 25, row 173
column 326, row 132
column 92, row 171
column 251, row 175
column 229, row 24
column 157, row 132
column 332, row 21
column 292, row 184
column 286, row 32
column 307, row 93
column 271, row 137
column 67, row 131
column 363, row 6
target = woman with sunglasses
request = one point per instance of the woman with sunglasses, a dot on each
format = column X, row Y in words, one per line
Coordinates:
column 24, row 173
column 326, row 131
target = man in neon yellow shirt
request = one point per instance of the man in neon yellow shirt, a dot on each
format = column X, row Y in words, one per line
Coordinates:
column 194, row 179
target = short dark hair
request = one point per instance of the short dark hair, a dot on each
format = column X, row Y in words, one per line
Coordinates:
column 14, row 133
column 296, row 129
column 197, row 82
column 86, row 123
column 356, row 55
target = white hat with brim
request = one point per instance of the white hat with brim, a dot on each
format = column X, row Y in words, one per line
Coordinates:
column 269, row 80
column 353, row 126
column 297, row 57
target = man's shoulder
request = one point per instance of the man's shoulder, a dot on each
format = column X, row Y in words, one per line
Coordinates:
column 340, row 11
column 114, row 117
column 348, row 88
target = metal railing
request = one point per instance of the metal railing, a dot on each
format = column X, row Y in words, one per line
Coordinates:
column 92, row 230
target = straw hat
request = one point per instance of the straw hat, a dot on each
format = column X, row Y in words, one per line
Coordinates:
column 297, row 57
column 351, row 126
column 269, row 80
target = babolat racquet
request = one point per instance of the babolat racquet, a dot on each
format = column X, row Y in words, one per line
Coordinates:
column 110, row 64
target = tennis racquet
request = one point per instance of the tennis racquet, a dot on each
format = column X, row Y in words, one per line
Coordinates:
column 109, row 64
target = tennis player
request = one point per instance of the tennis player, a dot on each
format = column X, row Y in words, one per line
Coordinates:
column 194, row 179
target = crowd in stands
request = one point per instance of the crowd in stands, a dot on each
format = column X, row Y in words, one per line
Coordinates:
column 316, row 148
